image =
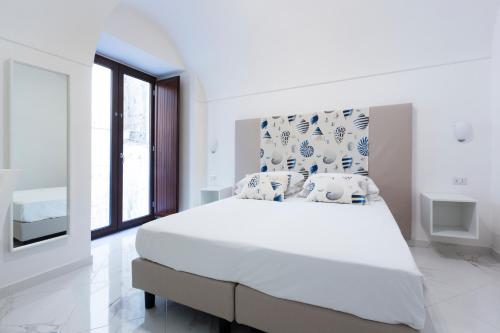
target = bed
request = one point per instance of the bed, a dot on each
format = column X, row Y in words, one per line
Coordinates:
column 296, row 266
column 338, row 257
column 39, row 213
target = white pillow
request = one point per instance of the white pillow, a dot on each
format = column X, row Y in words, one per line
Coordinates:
column 338, row 188
column 240, row 184
column 264, row 186
column 372, row 191
column 372, row 188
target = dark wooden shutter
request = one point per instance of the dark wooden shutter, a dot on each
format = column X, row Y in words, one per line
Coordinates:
column 166, row 180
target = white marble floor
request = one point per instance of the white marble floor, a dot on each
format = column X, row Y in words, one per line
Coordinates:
column 462, row 294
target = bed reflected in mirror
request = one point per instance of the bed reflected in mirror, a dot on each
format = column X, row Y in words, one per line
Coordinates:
column 38, row 151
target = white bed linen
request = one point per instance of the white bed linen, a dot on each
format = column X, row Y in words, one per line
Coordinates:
column 349, row 258
column 39, row 204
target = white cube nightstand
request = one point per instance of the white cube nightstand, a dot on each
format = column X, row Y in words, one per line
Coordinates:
column 450, row 215
column 214, row 193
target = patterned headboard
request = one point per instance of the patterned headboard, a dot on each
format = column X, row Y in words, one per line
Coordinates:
column 328, row 141
column 389, row 159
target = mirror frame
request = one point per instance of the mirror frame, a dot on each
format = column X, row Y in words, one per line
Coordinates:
column 7, row 152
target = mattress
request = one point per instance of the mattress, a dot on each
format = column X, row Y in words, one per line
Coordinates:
column 39, row 204
column 348, row 258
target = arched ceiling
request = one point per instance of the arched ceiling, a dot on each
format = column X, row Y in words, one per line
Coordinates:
column 67, row 28
column 242, row 47
column 239, row 47
column 130, row 37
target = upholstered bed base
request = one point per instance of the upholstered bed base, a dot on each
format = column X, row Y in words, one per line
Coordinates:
column 247, row 306
column 200, row 293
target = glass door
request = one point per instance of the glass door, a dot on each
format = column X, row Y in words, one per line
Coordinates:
column 101, row 146
column 136, row 149
column 122, row 147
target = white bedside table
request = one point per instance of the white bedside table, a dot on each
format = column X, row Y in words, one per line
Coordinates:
column 450, row 215
column 214, row 193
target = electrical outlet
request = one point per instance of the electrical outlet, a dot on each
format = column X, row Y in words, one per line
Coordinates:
column 212, row 179
column 459, row 181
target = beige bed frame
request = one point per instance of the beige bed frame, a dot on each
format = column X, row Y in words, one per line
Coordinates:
column 390, row 167
column 236, row 302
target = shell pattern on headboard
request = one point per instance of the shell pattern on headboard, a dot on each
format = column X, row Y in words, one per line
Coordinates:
column 328, row 141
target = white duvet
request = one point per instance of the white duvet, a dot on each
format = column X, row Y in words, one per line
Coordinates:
column 348, row 258
column 39, row 204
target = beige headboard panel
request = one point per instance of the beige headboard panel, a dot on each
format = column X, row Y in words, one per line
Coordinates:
column 390, row 159
column 247, row 146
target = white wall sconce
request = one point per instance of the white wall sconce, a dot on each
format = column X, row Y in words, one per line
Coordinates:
column 463, row 131
column 213, row 146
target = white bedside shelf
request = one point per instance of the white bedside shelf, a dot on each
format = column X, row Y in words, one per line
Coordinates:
column 450, row 215
column 215, row 193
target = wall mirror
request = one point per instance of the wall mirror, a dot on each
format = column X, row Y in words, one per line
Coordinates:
column 38, row 150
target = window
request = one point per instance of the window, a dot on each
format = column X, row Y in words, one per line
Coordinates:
column 135, row 147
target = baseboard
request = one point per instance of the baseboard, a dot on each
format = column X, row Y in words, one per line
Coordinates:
column 466, row 249
column 37, row 279
column 418, row 243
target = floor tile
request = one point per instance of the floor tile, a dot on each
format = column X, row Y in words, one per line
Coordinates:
column 446, row 318
column 462, row 295
column 482, row 304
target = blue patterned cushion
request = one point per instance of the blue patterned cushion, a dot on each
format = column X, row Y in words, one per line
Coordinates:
column 263, row 186
column 337, row 188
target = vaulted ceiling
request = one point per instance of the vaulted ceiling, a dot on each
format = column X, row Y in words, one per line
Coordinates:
column 240, row 46
column 67, row 28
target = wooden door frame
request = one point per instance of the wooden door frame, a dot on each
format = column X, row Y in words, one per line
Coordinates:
column 165, row 193
column 118, row 71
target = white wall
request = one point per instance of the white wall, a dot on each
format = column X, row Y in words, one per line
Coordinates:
column 69, row 29
column 37, row 139
column 495, row 129
column 130, row 37
column 31, row 262
column 60, row 35
column 251, row 56
column 440, row 95
column 241, row 47
column 193, row 138
column 257, row 47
